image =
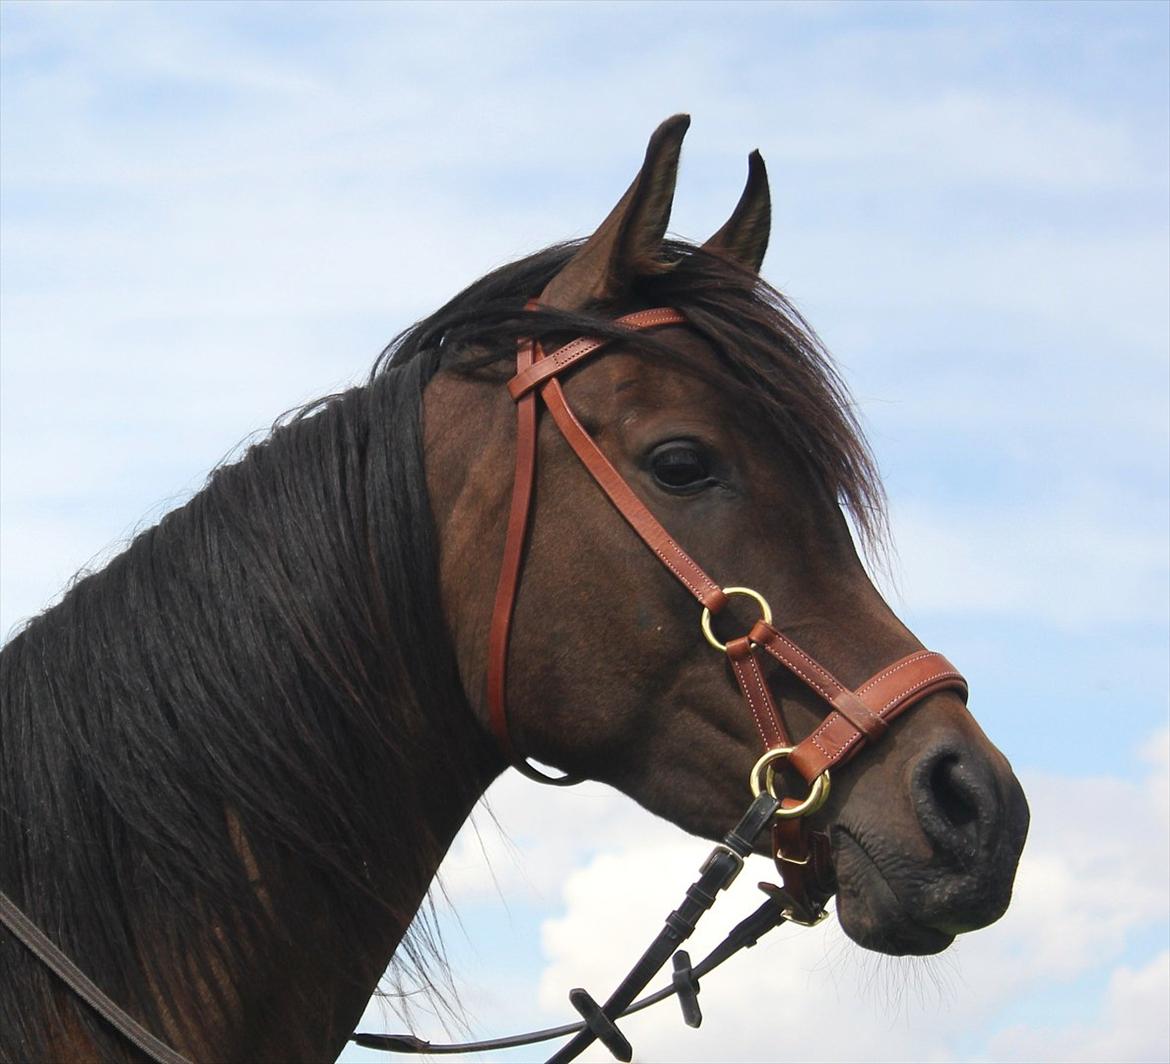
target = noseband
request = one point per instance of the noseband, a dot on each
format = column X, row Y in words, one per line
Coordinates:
column 856, row 718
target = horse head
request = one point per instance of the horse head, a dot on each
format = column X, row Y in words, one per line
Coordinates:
column 735, row 433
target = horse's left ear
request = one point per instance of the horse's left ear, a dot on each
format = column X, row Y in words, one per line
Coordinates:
column 744, row 236
column 628, row 243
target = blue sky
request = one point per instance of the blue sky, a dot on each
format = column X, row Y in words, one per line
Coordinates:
column 213, row 212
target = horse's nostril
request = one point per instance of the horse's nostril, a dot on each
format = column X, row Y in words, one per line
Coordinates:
column 955, row 799
column 952, row 796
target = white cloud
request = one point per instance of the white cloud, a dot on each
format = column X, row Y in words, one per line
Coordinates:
column 1134, row 1024
column 511, row 850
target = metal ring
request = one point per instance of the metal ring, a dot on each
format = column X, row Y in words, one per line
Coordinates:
column 763, row 777
column 705, row 621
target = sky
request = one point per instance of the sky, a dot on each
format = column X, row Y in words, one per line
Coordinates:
column 211, row 213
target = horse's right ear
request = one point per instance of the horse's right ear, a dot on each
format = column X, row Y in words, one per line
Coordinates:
column 628, row 243
column 744, row 236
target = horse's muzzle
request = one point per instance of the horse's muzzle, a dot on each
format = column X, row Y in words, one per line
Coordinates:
column 974, row 818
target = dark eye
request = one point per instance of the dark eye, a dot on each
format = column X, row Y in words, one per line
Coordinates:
column 680, row 465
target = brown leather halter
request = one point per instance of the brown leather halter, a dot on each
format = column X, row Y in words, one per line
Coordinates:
column 856, row 718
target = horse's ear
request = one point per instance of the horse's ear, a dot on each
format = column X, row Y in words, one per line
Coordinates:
column 628, row 243
column 744, row 236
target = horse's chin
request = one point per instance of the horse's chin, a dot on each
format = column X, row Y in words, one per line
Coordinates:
column 870, row 909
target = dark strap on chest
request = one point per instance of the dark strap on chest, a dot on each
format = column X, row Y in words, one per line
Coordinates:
column 73, row 977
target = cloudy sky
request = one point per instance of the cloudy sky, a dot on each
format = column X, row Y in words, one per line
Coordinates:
column 214, row 212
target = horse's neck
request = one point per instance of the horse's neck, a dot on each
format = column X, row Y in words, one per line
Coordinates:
column 316, row 967
column 304, row 988
column 325, row 712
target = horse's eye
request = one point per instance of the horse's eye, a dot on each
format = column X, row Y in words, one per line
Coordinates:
column 680, row 465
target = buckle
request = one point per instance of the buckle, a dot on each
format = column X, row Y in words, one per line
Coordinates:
column 714, row 855
column 791, row 916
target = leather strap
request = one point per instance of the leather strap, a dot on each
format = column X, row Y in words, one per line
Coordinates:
column 741, row 655
column 744, row 935
column 858, row 715
column 891, row 692
column 717, row 873
column 523, row 479
column 804, row 860
column 640, row 519
column 35, row 940
column 530, row 376
column 534, row 369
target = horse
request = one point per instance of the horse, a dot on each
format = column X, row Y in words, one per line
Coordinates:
column 232, row 760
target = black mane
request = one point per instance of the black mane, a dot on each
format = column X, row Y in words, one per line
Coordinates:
column 274, row 650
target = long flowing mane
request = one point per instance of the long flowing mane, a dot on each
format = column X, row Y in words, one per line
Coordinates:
column 245, row 685
column 271, row 651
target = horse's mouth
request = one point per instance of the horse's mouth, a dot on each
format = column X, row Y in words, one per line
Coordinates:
column 870, row 909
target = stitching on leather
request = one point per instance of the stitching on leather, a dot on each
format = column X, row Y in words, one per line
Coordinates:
column 917, row 687
column 895, row 701
column 794, row 668
column 685, row 559
column 875, row 680
column 760, row 680
column 663, row 317
column 678, row 572
column 583, row 346
column 777, row 726
column 567, row 354
column 814, row 665
column 746, row 687
column 840, row 749
column 641, row 319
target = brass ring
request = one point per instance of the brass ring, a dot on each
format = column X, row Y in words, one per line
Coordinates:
column 763, row 777
column 705, row 621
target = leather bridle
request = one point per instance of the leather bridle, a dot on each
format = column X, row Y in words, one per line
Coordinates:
column 856, row 718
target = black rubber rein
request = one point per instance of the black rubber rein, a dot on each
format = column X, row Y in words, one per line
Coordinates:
column 717, row 873
column 744, row 935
